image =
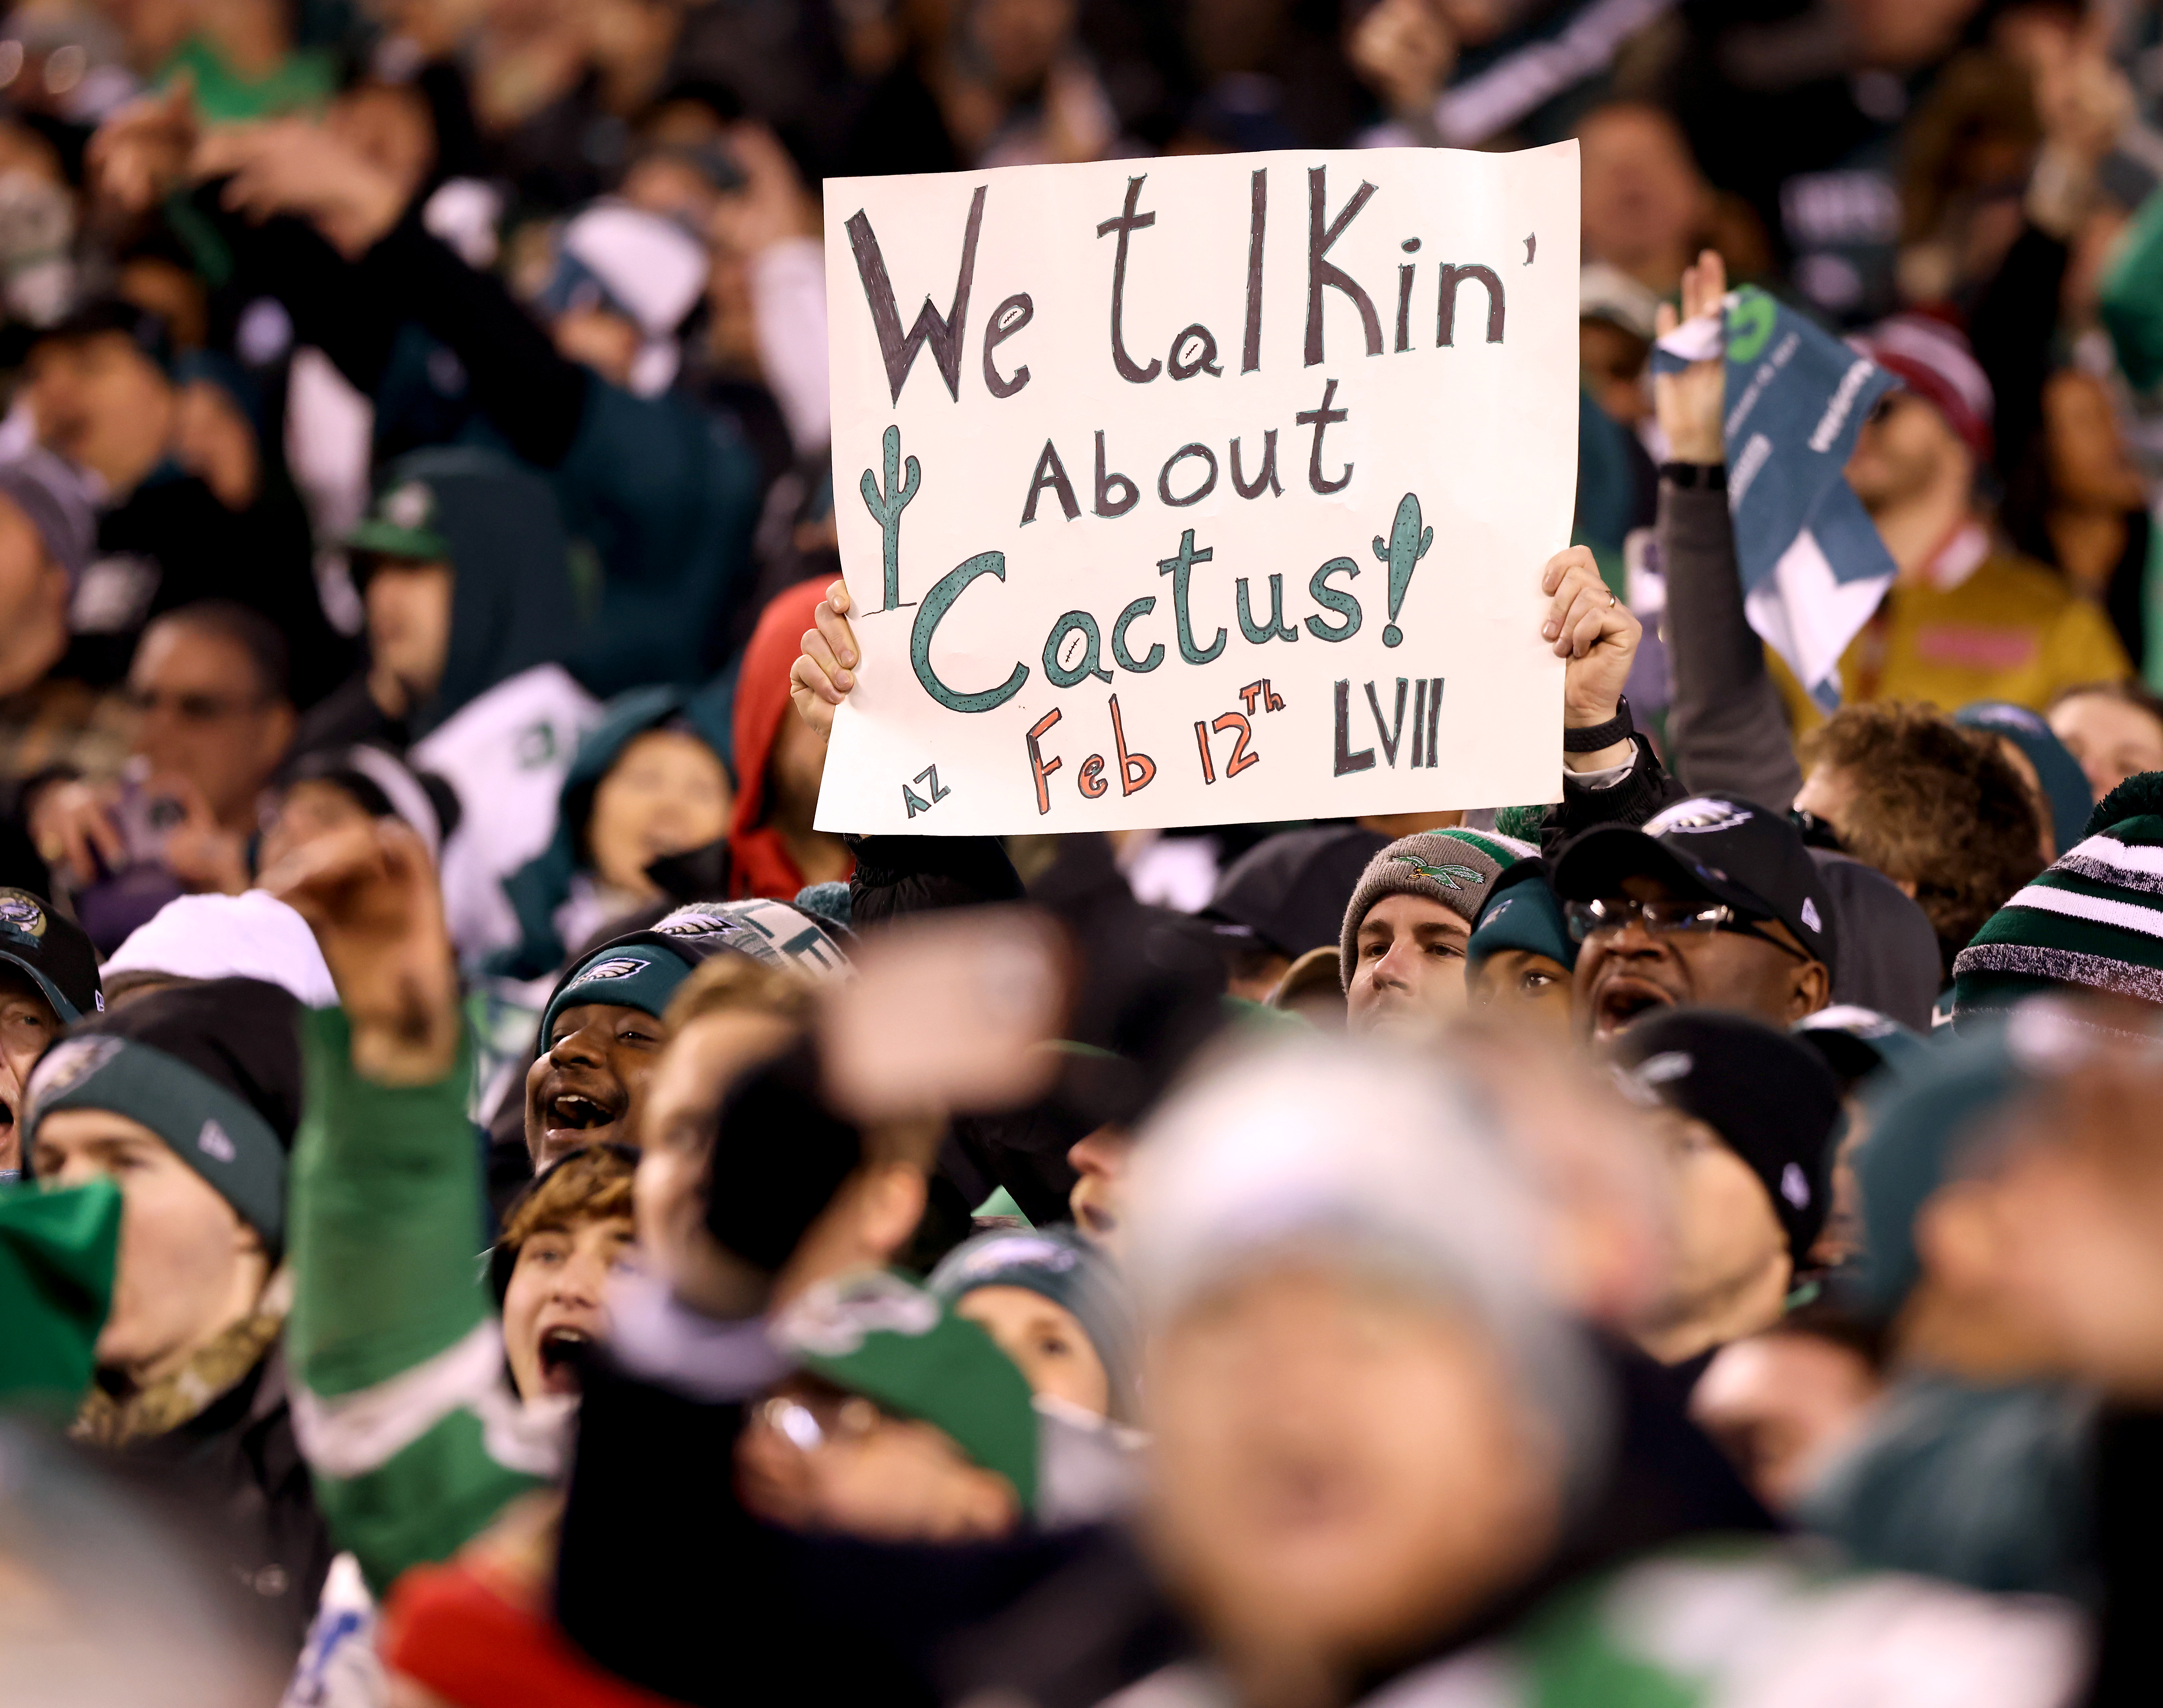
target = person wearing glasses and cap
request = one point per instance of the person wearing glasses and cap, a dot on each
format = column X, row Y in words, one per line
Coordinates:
column 48, row 979
column 1715, row 904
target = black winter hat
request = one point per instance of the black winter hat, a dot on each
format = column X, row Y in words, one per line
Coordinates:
column 212, row 1068
column 1771, row 1099
column 1287, row 892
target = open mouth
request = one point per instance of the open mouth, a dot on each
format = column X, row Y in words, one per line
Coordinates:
column 570, row 1112
column 561, row 1349
column 1624, row 1000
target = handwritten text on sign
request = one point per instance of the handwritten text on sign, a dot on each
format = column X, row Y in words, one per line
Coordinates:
column 1201, row 489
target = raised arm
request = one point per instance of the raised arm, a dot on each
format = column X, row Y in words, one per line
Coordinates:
column 400, row 1403
column 1728, row 729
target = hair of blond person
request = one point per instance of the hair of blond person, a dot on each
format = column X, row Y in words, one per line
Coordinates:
column 591, row 1185
column 732, row 983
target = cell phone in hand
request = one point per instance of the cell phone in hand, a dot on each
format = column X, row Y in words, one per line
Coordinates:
column 947, row 1013
column 127, row 893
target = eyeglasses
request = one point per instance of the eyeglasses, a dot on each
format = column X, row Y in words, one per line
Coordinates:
column 1658, row 919
column 192, row 708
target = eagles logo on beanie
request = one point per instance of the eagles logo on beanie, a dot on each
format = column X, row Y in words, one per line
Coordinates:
column 1455, row 868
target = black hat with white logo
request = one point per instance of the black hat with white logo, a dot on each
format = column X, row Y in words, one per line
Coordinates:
column 1769, row 1096
column 1732, row 851
column 54, row 952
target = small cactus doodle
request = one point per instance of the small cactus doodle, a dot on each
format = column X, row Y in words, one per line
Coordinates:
column 886, row 508
column 1408, row 542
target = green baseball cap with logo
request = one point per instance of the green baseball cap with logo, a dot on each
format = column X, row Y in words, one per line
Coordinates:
column 54, row 952
column 401, row 523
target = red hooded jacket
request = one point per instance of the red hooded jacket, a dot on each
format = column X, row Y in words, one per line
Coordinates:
column 760, row 863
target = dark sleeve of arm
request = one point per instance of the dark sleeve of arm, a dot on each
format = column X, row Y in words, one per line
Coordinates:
column 288, row 259
column 535, row 397
column 899, row 875
column 2011, row 332
column 1727, row 728
column 1634, row 800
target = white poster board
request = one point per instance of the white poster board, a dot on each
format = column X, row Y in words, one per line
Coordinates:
column 1201, row 489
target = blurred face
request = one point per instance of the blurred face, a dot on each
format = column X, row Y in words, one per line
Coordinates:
column 1644, row 200
column 1729, row 1246
column 1902, row 34
column 1045, row 1340
column 1520, row 984
column 793, row 772
column 1904, row 449
column 102, row 403
column 1408, row 967
column 2111, row 738
column 1021, row 38
column 557, row 1301
column 1096, row 1200
column 189, row 1268
column 26, row 1025
column 312, row 808
column 204, row 714
column 606, row 343
column 33, row 602
column 1612, row 364
column 388, row 125
column 1626, row 972
column 1781, row 1405
column 675, row 1135
column 2089, row 466
column 1343, row 1470
column 666, row 794
column 585, row 1087
column 409, row 624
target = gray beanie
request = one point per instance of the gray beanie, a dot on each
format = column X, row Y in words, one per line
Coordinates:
column 1455, row 868
column 57, row 502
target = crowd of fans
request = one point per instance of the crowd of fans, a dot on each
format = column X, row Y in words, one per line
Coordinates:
column 505, row 1210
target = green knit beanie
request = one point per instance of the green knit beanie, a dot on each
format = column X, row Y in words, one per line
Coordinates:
column 2092, row 919
column 878, row 1335
column 1456, row 868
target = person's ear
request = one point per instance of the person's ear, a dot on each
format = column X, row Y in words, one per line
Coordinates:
column 1810, row 990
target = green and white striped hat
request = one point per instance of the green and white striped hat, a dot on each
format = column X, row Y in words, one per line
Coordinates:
column 2094, row 919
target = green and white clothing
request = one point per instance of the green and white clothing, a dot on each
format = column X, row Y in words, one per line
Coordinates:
column 1735, row 1625
column 401, row 1401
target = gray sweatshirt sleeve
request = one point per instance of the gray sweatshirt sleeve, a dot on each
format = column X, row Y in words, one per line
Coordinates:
column 1727, row 728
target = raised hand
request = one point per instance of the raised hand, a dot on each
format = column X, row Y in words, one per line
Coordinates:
column 1691, row 404
column 370, row 896
column 1587, row 624
column 825, row 672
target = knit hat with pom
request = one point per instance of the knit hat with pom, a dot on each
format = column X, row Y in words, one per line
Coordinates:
column 2092, row 919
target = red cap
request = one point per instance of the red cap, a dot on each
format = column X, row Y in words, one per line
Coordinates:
column 1933, row 360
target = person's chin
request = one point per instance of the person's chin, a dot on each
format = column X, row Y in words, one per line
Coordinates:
column 1619, row 1003
column 1400, row 1022
column 559, row 1142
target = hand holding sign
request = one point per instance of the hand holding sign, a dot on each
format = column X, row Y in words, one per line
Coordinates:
column 1159, row 510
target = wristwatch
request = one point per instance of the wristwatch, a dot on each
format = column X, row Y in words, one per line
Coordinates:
column 1597, row 736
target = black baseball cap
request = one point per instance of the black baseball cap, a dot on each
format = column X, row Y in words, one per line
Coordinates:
column 1769, row 1096
column 55, row 953
column 1731, row 850
column 1287, row 892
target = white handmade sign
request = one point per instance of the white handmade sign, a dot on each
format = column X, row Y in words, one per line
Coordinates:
column 1201, row 489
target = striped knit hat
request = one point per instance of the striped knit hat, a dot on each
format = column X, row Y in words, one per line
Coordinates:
column 1455, row 868
column 2095, row 918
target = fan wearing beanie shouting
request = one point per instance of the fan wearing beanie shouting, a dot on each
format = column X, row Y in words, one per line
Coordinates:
column 1715, row 904
column 189, row 1098
column 1747, row 1118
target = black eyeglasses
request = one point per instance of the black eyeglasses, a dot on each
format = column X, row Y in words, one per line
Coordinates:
column 1594, row 919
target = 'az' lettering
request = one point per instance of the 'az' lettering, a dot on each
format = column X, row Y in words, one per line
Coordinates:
column 916, row 803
